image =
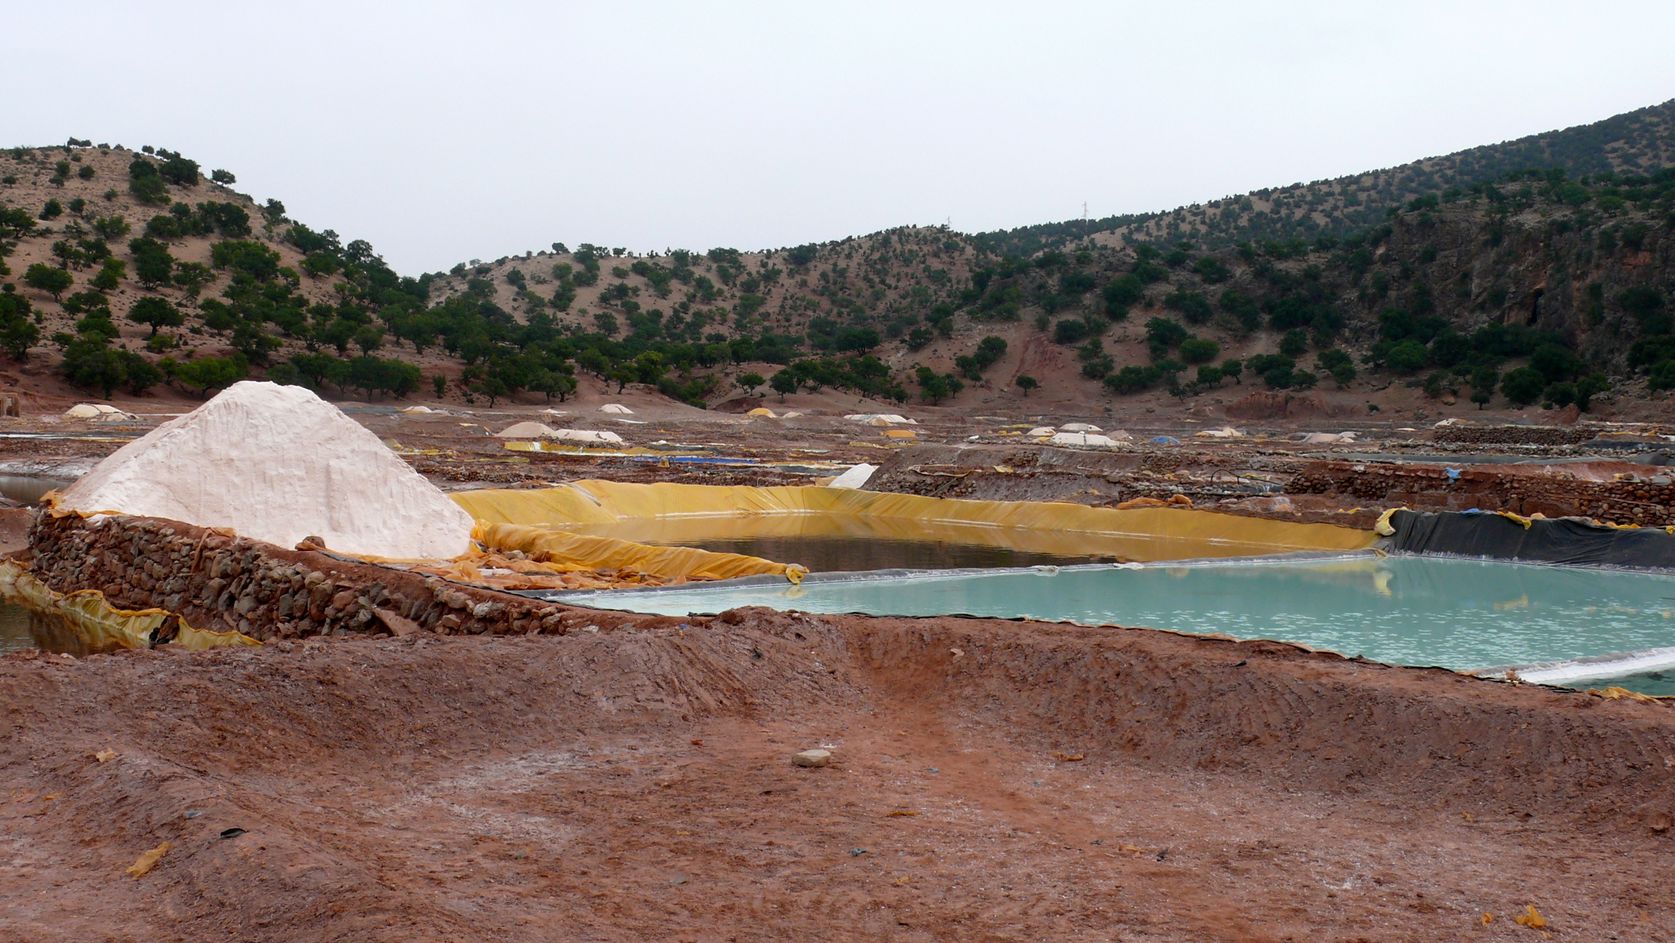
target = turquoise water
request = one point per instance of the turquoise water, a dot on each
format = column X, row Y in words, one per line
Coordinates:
column 1453, row 613
column 1659, row 683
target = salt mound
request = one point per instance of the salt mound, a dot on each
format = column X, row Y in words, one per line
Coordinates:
column 586, row 436
column 1091, row 440
column 277, row 463
column 617, row 408
column 97, row 412
column 881, row 419
column 1080, row 427
column 1041, row 432
column 762, row 411
column 526, row 430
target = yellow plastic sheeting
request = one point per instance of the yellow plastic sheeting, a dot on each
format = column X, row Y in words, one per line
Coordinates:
column 692, row 512
column 94, row 624
column 565, row 552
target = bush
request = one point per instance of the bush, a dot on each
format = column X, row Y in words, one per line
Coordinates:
column 1211, row 270
column 1523, row 386
column 180, row 171
column 1192, row 306
column 1071, row 331
column 1121, row 294
column 209, row 373
column 243, row 255
column 1338, row 364
column 1242, row 307
column 18, row 332
column 156, row 312
column 1295, row 342
column 1406, row 356
column 1163, row 334
column 1662, row 376
column 1132, row 379
column 1197, row 350
column 47, row 278
column 146, row 184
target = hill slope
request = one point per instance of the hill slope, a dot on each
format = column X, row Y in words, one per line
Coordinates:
column 125, row 270
column 1636, row 142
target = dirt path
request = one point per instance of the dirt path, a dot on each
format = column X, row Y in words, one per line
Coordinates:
column 994, row 781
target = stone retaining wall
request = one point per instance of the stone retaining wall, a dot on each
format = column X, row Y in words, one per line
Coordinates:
column 218, row 582
column 1424, row 487
column 1514, row 435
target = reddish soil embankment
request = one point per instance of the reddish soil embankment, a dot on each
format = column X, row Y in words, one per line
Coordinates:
column 992, row 781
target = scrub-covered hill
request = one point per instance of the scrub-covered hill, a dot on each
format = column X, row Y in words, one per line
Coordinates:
column 136, row 271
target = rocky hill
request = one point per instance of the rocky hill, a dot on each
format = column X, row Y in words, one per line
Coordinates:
column 132, row 270
column 1637, row 142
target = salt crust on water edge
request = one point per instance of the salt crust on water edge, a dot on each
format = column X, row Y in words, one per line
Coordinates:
column 277, row 463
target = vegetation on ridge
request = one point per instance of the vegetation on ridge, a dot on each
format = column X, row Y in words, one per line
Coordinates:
column 1535, row 287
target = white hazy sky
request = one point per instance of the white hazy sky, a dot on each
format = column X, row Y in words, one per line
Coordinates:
column 443, row 132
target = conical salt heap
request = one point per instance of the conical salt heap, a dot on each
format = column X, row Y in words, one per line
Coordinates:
column 277, row 463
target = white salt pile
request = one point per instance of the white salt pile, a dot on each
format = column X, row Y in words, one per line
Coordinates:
column 97, row 412
column 587, row 437
column 881, row 419
column 526, row 430
column 277, row 463
column 1091, row 440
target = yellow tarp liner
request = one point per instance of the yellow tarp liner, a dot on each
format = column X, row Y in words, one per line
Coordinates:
column 671, row 512
column 563, row 552
column 93, row 624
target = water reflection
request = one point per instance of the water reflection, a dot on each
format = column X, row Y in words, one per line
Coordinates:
column 28, row 489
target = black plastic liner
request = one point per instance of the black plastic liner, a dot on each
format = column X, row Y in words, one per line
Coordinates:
column 1566, row 540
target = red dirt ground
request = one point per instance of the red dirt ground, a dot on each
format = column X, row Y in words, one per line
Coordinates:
column 993, row 781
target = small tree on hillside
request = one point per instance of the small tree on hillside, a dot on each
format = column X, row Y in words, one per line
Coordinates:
column 784, row 382
column 1027, row 383
column 47, row 278
column 1523, row 386
column 750, row 381
column 209, row 373
column 157, row 312
column 1483, row 381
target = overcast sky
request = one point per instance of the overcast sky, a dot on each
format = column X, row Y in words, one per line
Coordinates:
column 443, row 132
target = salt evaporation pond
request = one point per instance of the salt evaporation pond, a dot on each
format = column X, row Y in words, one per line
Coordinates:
column 1448, row 612
column 850, row 554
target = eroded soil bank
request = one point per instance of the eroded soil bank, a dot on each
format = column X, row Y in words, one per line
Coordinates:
column 992, row 781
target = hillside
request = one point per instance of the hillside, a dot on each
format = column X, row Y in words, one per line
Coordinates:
column 112, row 260
column 123, row 270
column 1637, row 142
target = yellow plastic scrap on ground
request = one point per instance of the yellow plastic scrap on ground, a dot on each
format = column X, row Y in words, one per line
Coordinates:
column 93, row 624
column 1384, row 528
column 145, row 862
column 671, row 513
